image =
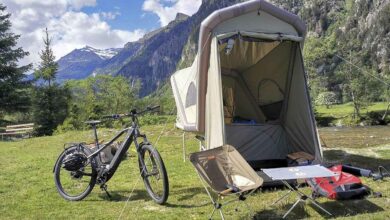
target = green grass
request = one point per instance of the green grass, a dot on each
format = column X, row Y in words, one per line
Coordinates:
column 27, row 188
column 343, row 110
column 342, row 113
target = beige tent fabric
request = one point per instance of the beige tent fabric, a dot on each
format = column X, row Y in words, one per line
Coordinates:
column 228, row 104
column 294, row 130
column 264, row 36
column 253, row 22
column 244, row 107
column 244, row 54
column 184, row 86
column 272, row 67
column 215, row 129
column 265, row 73
column 213, row 21
column 299, row 119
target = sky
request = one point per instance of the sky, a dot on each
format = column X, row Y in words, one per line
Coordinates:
column 97, row 23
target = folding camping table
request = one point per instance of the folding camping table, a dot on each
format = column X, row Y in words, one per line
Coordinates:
column 301, row 172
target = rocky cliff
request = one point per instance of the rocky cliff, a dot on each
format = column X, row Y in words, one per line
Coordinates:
column 342, row 27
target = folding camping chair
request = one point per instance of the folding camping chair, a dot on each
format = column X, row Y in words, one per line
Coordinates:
column 227, row 173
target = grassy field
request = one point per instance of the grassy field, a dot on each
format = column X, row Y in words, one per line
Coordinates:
column 342, row 114
column 27, row 188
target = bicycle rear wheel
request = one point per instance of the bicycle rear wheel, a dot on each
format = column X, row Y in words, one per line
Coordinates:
column 77, row 183
column 154, row 174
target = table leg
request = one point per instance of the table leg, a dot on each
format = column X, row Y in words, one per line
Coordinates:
column 301, row 198
column 292, row 207
column 288, row 193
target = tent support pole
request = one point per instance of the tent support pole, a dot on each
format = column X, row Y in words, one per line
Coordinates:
column 184, row 147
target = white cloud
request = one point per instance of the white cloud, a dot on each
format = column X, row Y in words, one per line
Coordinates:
column 109, row 15
column 168, row 13
column 76, row 29
column 68, row 27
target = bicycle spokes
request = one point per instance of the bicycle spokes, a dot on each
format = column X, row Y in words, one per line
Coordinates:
column 154, row 174
column 74, row 183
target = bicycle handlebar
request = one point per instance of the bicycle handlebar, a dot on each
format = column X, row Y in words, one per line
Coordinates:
column 132, row 113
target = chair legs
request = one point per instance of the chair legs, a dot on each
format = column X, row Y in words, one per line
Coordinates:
column 218, row 206
column 221, row 213
column 212, row 213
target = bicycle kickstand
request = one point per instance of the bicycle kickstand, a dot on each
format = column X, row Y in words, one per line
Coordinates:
column 103, row 187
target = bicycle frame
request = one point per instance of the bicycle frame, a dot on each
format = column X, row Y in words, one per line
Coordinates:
column 106, row 171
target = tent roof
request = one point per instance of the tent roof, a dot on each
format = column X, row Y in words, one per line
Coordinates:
column 238, row 18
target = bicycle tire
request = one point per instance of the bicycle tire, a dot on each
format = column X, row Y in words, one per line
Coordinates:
column 57, row 175
column 157, row 162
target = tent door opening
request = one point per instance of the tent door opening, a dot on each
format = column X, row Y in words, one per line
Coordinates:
column 256, row 79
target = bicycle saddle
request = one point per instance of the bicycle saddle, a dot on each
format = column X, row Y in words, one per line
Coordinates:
column 93, row 122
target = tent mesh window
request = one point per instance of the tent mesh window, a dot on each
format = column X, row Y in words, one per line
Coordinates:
column 271, row 108
column 191, row 95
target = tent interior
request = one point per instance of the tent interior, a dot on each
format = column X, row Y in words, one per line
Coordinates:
column 265, row 102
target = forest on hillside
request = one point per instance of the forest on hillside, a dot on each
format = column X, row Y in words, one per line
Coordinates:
column 347, row 59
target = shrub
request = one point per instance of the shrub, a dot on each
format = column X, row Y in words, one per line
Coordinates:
column 327, row 99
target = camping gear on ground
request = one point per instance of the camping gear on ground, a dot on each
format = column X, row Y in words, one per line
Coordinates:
column 382, row 172
column 357, row 171
column 254, row 48
column 227, row 173
column 301, row 172
column 299, row 159
column 340, row 187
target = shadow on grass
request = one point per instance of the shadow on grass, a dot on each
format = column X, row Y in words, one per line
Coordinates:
column 349, row 207
column 337, row 208
column 185, row 194
column 188, row 193
column 324, row 121
column 343, row 157
column 123, row 195
column 171, row 205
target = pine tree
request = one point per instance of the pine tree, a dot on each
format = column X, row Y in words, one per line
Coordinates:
column 48, row 67
column 50, row 108
column 13, row 92
column 50, row 100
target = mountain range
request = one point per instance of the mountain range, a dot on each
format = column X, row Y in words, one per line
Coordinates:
column 153, row 58
column 80, row 63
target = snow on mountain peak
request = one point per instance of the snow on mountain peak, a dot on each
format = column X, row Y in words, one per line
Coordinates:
column 105, row 54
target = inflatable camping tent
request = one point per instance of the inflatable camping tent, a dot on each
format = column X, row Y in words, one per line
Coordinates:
column 247, row 85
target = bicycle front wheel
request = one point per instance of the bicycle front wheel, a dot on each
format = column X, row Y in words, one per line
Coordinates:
column 154, row 174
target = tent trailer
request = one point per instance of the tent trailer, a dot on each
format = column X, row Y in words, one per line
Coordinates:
column 247, row 85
